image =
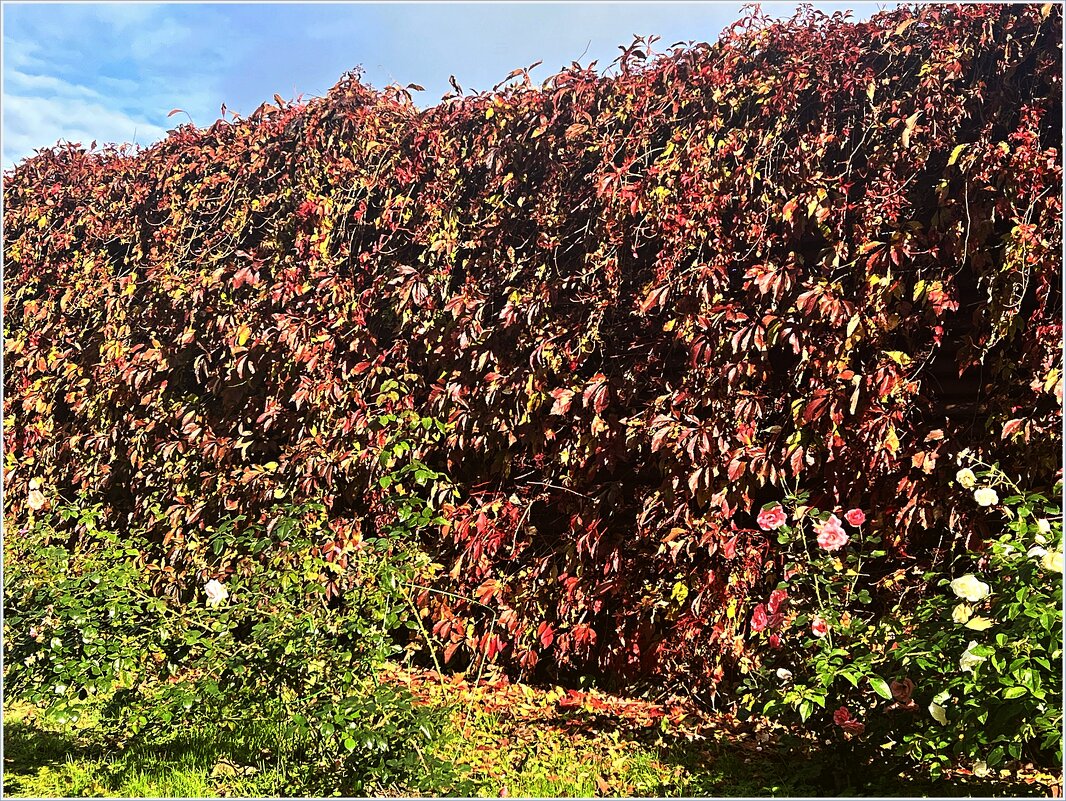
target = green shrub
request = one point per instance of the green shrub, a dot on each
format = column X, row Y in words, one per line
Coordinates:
column 987, row 646
column 283, row 624
column 964, row 670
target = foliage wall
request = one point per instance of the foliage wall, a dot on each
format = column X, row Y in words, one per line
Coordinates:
column 817, row 254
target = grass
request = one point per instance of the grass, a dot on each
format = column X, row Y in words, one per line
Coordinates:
column 46, row 760
column 506, row 740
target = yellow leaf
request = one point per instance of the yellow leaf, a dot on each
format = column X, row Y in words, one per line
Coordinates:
column 908, row 128
column 854, row 398
column 979, row 623
column 679, row 593
column 1051, row 380
column 904, row 25
column 891, row 440
column 853, row 323
column 956, row 153
column 243, row 332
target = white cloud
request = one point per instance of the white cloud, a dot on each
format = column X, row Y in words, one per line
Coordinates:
column 16, row 81
column 103, row 71
column 35, row 122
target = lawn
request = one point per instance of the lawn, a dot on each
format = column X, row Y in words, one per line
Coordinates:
column 507, row 740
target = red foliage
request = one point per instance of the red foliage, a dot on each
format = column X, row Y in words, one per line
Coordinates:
column 643, row 301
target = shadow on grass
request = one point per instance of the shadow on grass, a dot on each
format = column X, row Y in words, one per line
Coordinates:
column 729, row 764
column 184, row 762
column 723, row 769
column 28, row 748
column 723, row 762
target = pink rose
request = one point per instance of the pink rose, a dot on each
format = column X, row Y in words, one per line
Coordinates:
column 819, row 628
column 772, row 518
column 777, row 597
column 856, row 517
column 831, row 534
column 842, row 717
column 775, row 641
column 902, row 690
column 758, row 618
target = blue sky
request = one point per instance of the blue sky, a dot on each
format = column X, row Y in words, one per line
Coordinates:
column 112, row 71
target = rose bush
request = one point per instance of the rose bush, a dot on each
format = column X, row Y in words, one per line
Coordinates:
column 993, row 665
column 960, row 671
column 278, row 623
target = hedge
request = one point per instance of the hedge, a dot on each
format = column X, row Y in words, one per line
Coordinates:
column 817, row 253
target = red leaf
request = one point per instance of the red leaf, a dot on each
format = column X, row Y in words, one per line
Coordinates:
column 657, row 297
column 545, row 634
column 817, row 406
column 563, row 398
column 736, row 468
column 1012, row 427
column 596, row 393
column 659, row 437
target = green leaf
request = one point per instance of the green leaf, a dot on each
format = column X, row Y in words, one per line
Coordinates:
column 1014, row 692
column 880, row 686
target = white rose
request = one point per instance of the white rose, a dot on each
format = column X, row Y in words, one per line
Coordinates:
column 986, row 496
column 940, row 715
column 35, row 500
column 970, row 588
column 961, row 613
column 1043, row 526
column 966, row 478
column 1052, row 561
column 1036, row 552
column 216, row 593
column 980, row 769
column 969, row 659
column 784, row 674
